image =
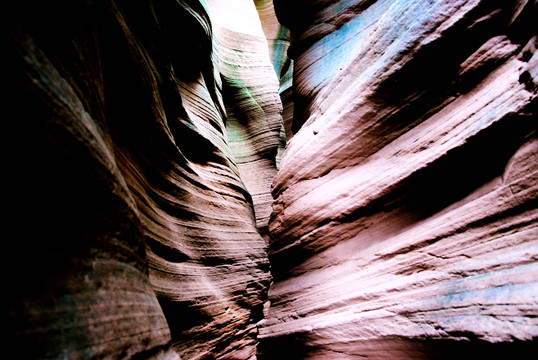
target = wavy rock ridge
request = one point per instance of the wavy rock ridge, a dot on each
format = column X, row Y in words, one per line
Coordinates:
column 142, row 135
column 404, row 222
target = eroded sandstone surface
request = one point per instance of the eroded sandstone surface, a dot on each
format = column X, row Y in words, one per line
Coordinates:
column 155, row 214
column 139, row 126
column 404, row 222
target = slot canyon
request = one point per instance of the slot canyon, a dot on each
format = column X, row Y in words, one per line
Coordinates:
column 271, row 179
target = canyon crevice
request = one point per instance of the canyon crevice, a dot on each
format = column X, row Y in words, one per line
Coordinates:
column 287, row 179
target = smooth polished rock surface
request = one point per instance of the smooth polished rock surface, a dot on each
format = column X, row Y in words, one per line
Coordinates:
column 278, row 41
column 404, row 222
column 251, row 96
column 137, row 232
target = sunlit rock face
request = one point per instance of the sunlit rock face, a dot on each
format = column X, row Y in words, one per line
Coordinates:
column 137, row 232
column 278, row 40
column 404, row 222
column 251, row 96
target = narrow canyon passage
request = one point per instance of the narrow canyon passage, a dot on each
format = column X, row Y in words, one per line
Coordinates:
column 272, row 179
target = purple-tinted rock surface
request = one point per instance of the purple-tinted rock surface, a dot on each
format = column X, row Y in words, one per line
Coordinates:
column 404, row 222
column 138, row 234
column 155, row 214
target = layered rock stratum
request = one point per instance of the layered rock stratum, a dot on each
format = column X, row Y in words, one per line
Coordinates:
column 405, row 220
column 151, row 130
column 238, row 179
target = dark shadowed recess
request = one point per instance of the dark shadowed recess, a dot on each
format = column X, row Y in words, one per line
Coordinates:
column 293, row 348
column 60, row 169
column 190, row 315
column 143, row 59
column 433, row 72
column 91, row 87
column 77, row 229
column 301, row 15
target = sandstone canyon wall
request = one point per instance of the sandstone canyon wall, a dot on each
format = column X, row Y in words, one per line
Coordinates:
column 146, row 136
column 405, row 220
column 152, row 205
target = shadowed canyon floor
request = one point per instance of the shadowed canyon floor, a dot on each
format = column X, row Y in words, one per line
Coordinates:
column 257, row 179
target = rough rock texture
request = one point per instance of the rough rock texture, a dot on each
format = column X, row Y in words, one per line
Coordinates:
column 136, row 231
column 405, row 219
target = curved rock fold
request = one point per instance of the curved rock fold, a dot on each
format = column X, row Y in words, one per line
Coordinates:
column 397, row 231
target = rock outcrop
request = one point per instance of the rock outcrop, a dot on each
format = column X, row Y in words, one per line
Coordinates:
column 404, row 222
column 137, row 235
